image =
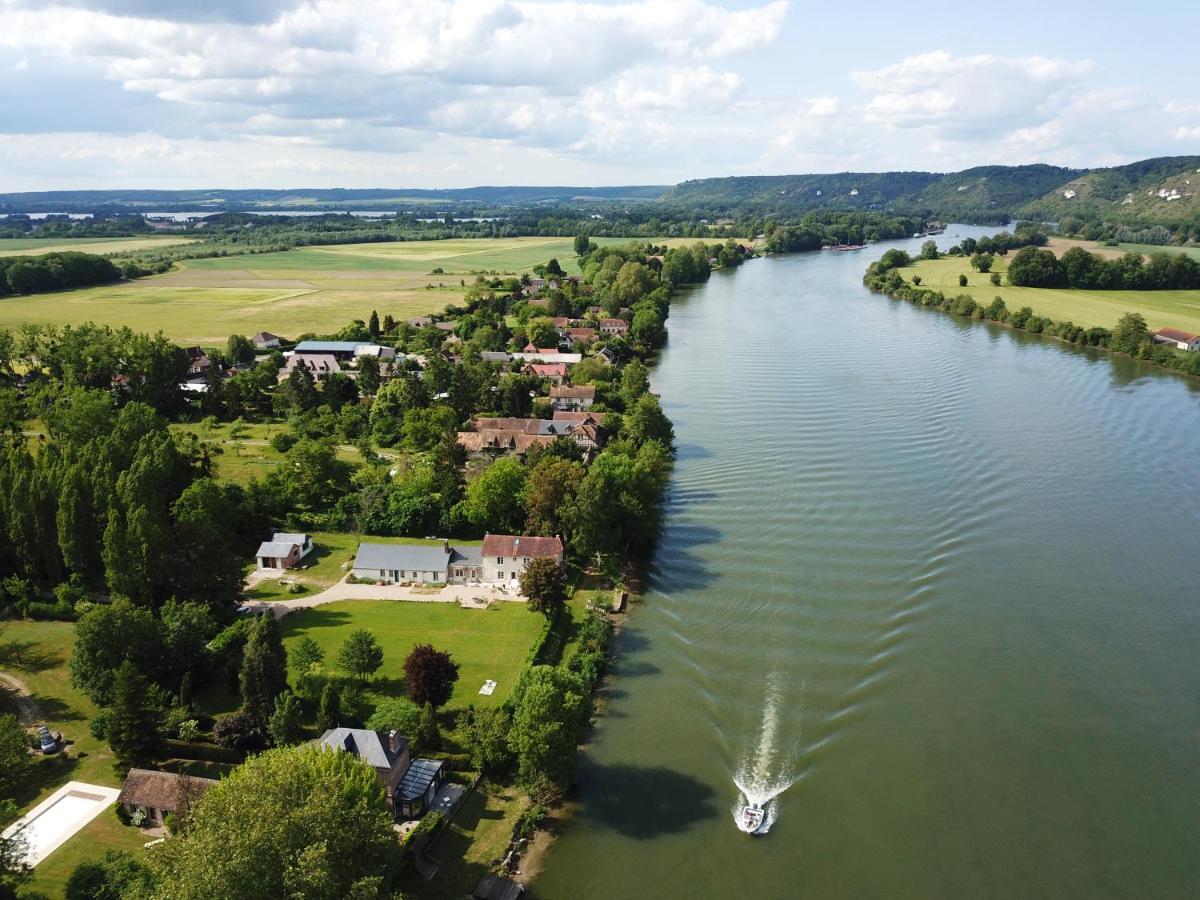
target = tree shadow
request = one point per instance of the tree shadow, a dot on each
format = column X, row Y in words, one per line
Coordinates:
column 29, row 656
column 317, row 617
column 635, row 669
column 46, row 772
column 55, row 710
column 644, row 802
column 692, row 451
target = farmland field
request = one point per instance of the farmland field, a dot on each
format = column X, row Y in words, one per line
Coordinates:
column 1176, row 309
column 309, row 290
column 34, row 246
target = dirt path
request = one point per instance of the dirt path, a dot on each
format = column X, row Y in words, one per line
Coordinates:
column 27, row 708
column 472, row 595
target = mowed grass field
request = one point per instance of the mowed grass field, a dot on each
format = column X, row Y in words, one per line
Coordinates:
column 486, row 643
column 310, row 290
column 1161, row 309
column 34, row 246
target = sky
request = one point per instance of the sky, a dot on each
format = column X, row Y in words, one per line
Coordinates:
column 117, row 94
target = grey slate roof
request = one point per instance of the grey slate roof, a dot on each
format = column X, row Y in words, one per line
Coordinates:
column 405, row 557
column 274, row 549
column 369, row 746
column 328, row 346
column 418, row 778
column 467, row 556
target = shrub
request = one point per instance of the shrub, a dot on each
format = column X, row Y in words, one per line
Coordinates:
column 238, row 731
column 99, row 724
column 284, row 441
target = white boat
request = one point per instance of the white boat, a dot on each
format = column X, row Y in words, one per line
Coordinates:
column 751, row 818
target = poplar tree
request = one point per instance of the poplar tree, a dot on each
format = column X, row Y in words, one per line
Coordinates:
column 133, row 723
column 264, row 670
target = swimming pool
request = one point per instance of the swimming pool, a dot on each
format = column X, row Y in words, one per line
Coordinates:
column 56, row 819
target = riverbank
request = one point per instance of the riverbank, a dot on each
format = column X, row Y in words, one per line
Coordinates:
column 1129, row 337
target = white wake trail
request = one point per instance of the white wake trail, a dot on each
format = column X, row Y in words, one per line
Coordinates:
column 766, row 769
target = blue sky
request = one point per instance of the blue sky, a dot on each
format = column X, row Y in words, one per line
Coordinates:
column 445, row 93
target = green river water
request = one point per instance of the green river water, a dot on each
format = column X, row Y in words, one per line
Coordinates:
column 931, row 585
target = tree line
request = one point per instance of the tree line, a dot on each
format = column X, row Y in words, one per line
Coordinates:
column 1079, row 269
column 54, row 272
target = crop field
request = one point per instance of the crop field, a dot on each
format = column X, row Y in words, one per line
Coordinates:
column 34, row 246
column 1161, row 309
column 310, row 290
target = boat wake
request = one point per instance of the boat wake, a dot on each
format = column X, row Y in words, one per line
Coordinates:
column 766, row 769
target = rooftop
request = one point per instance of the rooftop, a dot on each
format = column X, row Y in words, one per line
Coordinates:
column 420, row 775
column 162, row 790
column 369, row 746
column 408, row 557
column 517, row 545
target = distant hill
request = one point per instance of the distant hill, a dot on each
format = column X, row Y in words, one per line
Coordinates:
column 1163, row 191
column 302, row 199
column 1156, row 191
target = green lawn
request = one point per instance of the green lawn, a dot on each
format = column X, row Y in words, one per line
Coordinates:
column 38, row 653
column 1176, row 309
column 475, row 839
column 103, row 833
column 251, row 455
column 34, row 246
column 491, row 643
column 1147, row 249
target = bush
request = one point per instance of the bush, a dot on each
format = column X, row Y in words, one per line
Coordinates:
column 284, row 441
column 122, row 813
column 237, row 731
column 99, row 724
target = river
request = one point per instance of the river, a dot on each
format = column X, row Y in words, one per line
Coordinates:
column 928, row 583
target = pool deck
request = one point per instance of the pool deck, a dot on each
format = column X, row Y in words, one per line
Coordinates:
column 52, row 838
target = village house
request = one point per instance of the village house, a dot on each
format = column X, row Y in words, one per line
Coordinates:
column 614, row 326
column 420, row 321
column 319, row 365
column 1181, row 340
column 156, row 794
column 512, row 436
column 505, row 556
column 264, row 340
column 572, row 396
column 608, row 355
column 283, row 550
column 533, row 354
column 576, row 336
column 198, row 361
column 410, row 784
column 412, row 563
column 494, row 356
column 344, row 351
column 556, row 372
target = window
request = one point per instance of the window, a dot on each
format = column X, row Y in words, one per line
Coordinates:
column 499, row 560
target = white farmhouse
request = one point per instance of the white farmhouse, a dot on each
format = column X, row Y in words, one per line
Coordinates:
column 505, row 556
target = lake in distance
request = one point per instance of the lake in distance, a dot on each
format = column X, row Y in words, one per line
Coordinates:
column 932, row 585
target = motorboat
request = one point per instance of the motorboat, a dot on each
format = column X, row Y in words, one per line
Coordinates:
column 751, row 818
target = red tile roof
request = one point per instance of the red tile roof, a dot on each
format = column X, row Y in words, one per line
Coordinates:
column 1174, row 334
column 568, row 391
column 514, row 545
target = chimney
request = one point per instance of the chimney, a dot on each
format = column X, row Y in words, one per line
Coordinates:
column 394, row 741
column 446, row 545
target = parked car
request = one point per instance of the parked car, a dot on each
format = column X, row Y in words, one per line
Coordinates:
column 46, row 740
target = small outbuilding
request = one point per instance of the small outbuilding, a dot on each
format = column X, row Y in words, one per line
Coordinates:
column 264, row 340
column 1181, row 340
column 418, row 787
column 156, row 793
column 283, row 550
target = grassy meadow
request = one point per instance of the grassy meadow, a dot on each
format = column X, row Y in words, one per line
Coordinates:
column 1161, row 309
column 486, row 643
column 308, row 290
column 34, row 246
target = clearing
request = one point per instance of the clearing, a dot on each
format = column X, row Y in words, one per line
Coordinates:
column 249, row 455
column 34, row 246
column 1161, row 309
column 491, row 643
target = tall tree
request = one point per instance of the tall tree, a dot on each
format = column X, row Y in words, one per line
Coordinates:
column 547, row 726
column 264, row 669
column 544, row 583
column 284, row 725
column 133, row 726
